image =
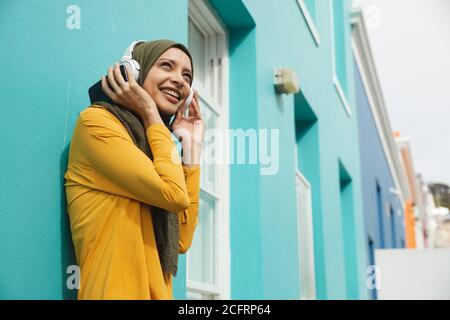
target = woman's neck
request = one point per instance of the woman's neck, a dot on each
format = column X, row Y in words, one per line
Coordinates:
column 165, row 118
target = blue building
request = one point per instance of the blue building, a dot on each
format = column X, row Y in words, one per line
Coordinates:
column 383, row 181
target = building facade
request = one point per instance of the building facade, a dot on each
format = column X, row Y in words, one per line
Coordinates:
column 384, row 184
column 283, row 221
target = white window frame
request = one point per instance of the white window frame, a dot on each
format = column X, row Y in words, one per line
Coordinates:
column 309, row 21
column 305, row 231
column 336, row 82
column 202, row 15
column 306, row 253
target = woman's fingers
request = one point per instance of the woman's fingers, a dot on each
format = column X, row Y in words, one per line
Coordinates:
column 107, row 89
column 191, row 109
column 131, row 79
column 184, row 107
column 197, row 113
column 178, row 116
column 194, row 111
column 118, row 76
column 112, row 81
column 195, row 95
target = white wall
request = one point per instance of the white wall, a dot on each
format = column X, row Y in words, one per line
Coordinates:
column 413, row 274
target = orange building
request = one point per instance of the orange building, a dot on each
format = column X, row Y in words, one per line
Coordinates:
column 416, row 217
column 410, row 224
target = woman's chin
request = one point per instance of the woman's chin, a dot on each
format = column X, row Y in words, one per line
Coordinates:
column 169, row 110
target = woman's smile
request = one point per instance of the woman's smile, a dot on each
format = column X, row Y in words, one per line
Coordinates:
column 170, row 94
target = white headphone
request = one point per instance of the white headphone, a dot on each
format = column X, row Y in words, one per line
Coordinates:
column 127, row 60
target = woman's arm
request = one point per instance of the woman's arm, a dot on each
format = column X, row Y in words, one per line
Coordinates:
column 189, row 217
column 190, row 131
column 120, row 168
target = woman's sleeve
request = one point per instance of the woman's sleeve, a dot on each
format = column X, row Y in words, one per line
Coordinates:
column 121, row 168
column 189, row 217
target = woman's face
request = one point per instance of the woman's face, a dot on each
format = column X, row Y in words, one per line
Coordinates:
column 168, row 81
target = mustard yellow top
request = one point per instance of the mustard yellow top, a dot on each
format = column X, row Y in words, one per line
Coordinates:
column 107, row 180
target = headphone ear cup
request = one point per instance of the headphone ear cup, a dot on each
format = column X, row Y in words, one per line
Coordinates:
column 188, row 101
column 132, row 65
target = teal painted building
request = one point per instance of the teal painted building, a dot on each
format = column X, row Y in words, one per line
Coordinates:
column 251, row 242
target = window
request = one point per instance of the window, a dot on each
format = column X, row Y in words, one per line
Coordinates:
column 349, row 243
column 305, row 235
column 208, row 259
column 380, row 217
column 393, row 227
column 308, row 8
column 339, row 36
column 306, row 239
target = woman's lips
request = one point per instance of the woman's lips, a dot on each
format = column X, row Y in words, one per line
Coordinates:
column 170, row 98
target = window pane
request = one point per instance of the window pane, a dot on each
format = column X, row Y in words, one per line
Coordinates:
column 197, row 49
column 201, row 254
column 339, row 42
column 209, row 153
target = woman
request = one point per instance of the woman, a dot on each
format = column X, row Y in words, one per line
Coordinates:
column 132, row 202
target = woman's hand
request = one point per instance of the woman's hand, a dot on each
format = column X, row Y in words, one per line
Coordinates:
column 190, row 132
column 130, row 95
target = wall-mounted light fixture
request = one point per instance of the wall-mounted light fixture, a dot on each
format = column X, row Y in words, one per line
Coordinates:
column 285, row 80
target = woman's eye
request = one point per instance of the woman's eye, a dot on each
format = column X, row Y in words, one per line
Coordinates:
column 187, row 77
column 166, row 64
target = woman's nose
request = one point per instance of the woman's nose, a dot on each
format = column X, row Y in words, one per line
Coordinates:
column 177, row 79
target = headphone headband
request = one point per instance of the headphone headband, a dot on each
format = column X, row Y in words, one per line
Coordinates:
column 129, row 51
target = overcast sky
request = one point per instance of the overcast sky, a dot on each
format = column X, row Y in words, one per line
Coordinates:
column 411, row 46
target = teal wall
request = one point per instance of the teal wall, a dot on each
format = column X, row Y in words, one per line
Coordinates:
column 327, row 140
column 54, row 66
column 44, row 87
column 245, row 196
